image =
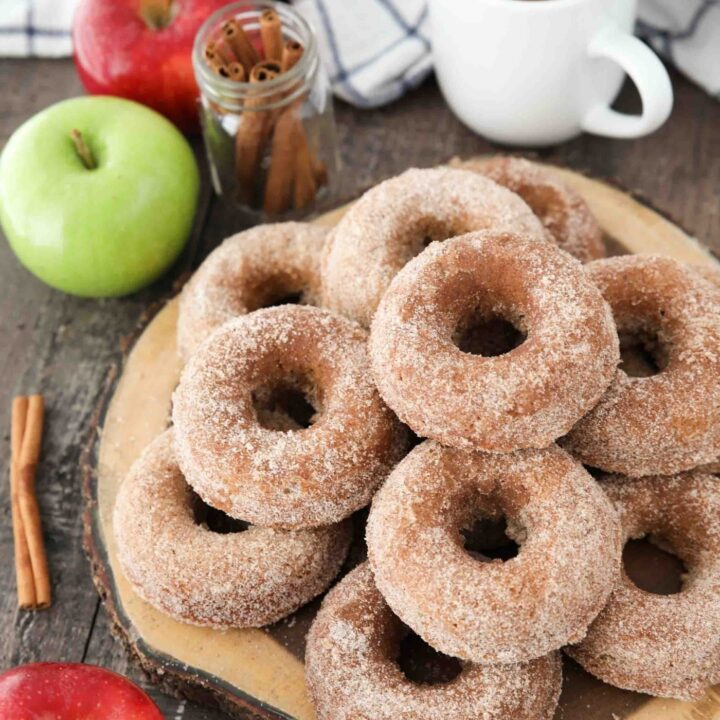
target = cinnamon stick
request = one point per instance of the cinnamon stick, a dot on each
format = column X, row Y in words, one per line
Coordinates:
column 292, row 51
column 253, row 134
column 23, row 567
column 220, row 49
column 305, row 183
column 271, row 34
column 216, row 63
column 236, row 38
column 279, row 183
column 27, row 500
column 237, row 72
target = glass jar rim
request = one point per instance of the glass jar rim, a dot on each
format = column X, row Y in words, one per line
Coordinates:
column 207, row 79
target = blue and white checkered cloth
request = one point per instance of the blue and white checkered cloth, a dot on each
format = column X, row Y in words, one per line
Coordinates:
column 375, row 50
column 36, row 28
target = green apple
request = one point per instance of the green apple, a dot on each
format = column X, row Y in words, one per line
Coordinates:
column 97, row 195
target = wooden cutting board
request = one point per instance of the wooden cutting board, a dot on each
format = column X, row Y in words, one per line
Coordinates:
column 259, row 673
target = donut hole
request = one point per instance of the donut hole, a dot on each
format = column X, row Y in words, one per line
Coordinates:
column 642, row 354
column 487, row 539
column 428, row 229
column 286, row 404
column 212, row 519
column 652, row 565
column 488, row 335
column 274, row 291
column 422, row 664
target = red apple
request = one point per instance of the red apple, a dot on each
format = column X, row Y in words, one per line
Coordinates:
column 142, row 50
column 70, row 691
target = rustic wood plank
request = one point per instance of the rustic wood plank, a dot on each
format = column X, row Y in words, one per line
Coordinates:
column 63, row 345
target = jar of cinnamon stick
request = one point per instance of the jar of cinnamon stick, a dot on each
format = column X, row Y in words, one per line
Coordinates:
column 266, row 108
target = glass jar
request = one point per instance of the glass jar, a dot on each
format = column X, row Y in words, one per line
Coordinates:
column 270, row 132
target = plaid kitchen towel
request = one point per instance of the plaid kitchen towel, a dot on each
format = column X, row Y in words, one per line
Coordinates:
column 375, row 50
column 36, row 28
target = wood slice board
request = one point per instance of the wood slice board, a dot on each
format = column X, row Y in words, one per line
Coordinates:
column 259, row 673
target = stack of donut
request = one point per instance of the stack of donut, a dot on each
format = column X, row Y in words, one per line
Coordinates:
column 451, row 304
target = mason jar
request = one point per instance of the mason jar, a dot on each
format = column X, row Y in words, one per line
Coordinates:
column 267, row 121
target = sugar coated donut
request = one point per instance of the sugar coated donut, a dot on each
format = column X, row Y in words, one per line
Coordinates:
column 353, row 674
column 667, row 645
column 527, row 397
column 709, row 273
column 562, row 211
column 242, row 579
column 494, row 612
column 245, row 455
column 668, row 422
column 253, row 269
column 394, row 221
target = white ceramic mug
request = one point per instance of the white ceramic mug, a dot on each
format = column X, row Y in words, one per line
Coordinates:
column 537, row 72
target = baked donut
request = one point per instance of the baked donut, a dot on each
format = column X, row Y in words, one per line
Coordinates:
column 709, row 273
column 561, row 210
column 394, row 221
column 495, row 612
column 265, row 265
column 195, row 575
column 669, row 422
column 353, row 674
column 525, row 398
column 667, row 645
column 237, row 438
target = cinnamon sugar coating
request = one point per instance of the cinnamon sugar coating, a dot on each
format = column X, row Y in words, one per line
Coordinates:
column 353, row 674
column 494, row 612
column 561, row 210
column 666, row 645
column 527, row 397
column 275, row 473
column 395, row 220
column 668, row 422
column 711, row 274
column 244, row 579
column 250, row 270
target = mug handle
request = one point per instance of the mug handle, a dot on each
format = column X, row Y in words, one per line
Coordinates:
column 649, row 75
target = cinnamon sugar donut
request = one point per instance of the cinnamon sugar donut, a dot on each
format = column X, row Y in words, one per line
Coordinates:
column 353, row 674
column 562, row 211
column 244, row 455
column 256, row 268
column 669, row 422
column 709, row 273
column 242, row 579
column 667, row 645
column 495, row 612
column 394, row 221
column 527, row 397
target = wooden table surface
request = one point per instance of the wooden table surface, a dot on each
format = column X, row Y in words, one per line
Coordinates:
column 61, row 346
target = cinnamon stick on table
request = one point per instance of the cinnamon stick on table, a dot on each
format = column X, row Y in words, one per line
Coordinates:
column 23, row 567
column 27, row 440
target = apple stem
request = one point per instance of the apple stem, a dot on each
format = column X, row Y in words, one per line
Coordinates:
column 83, row 150
column 156, row 13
